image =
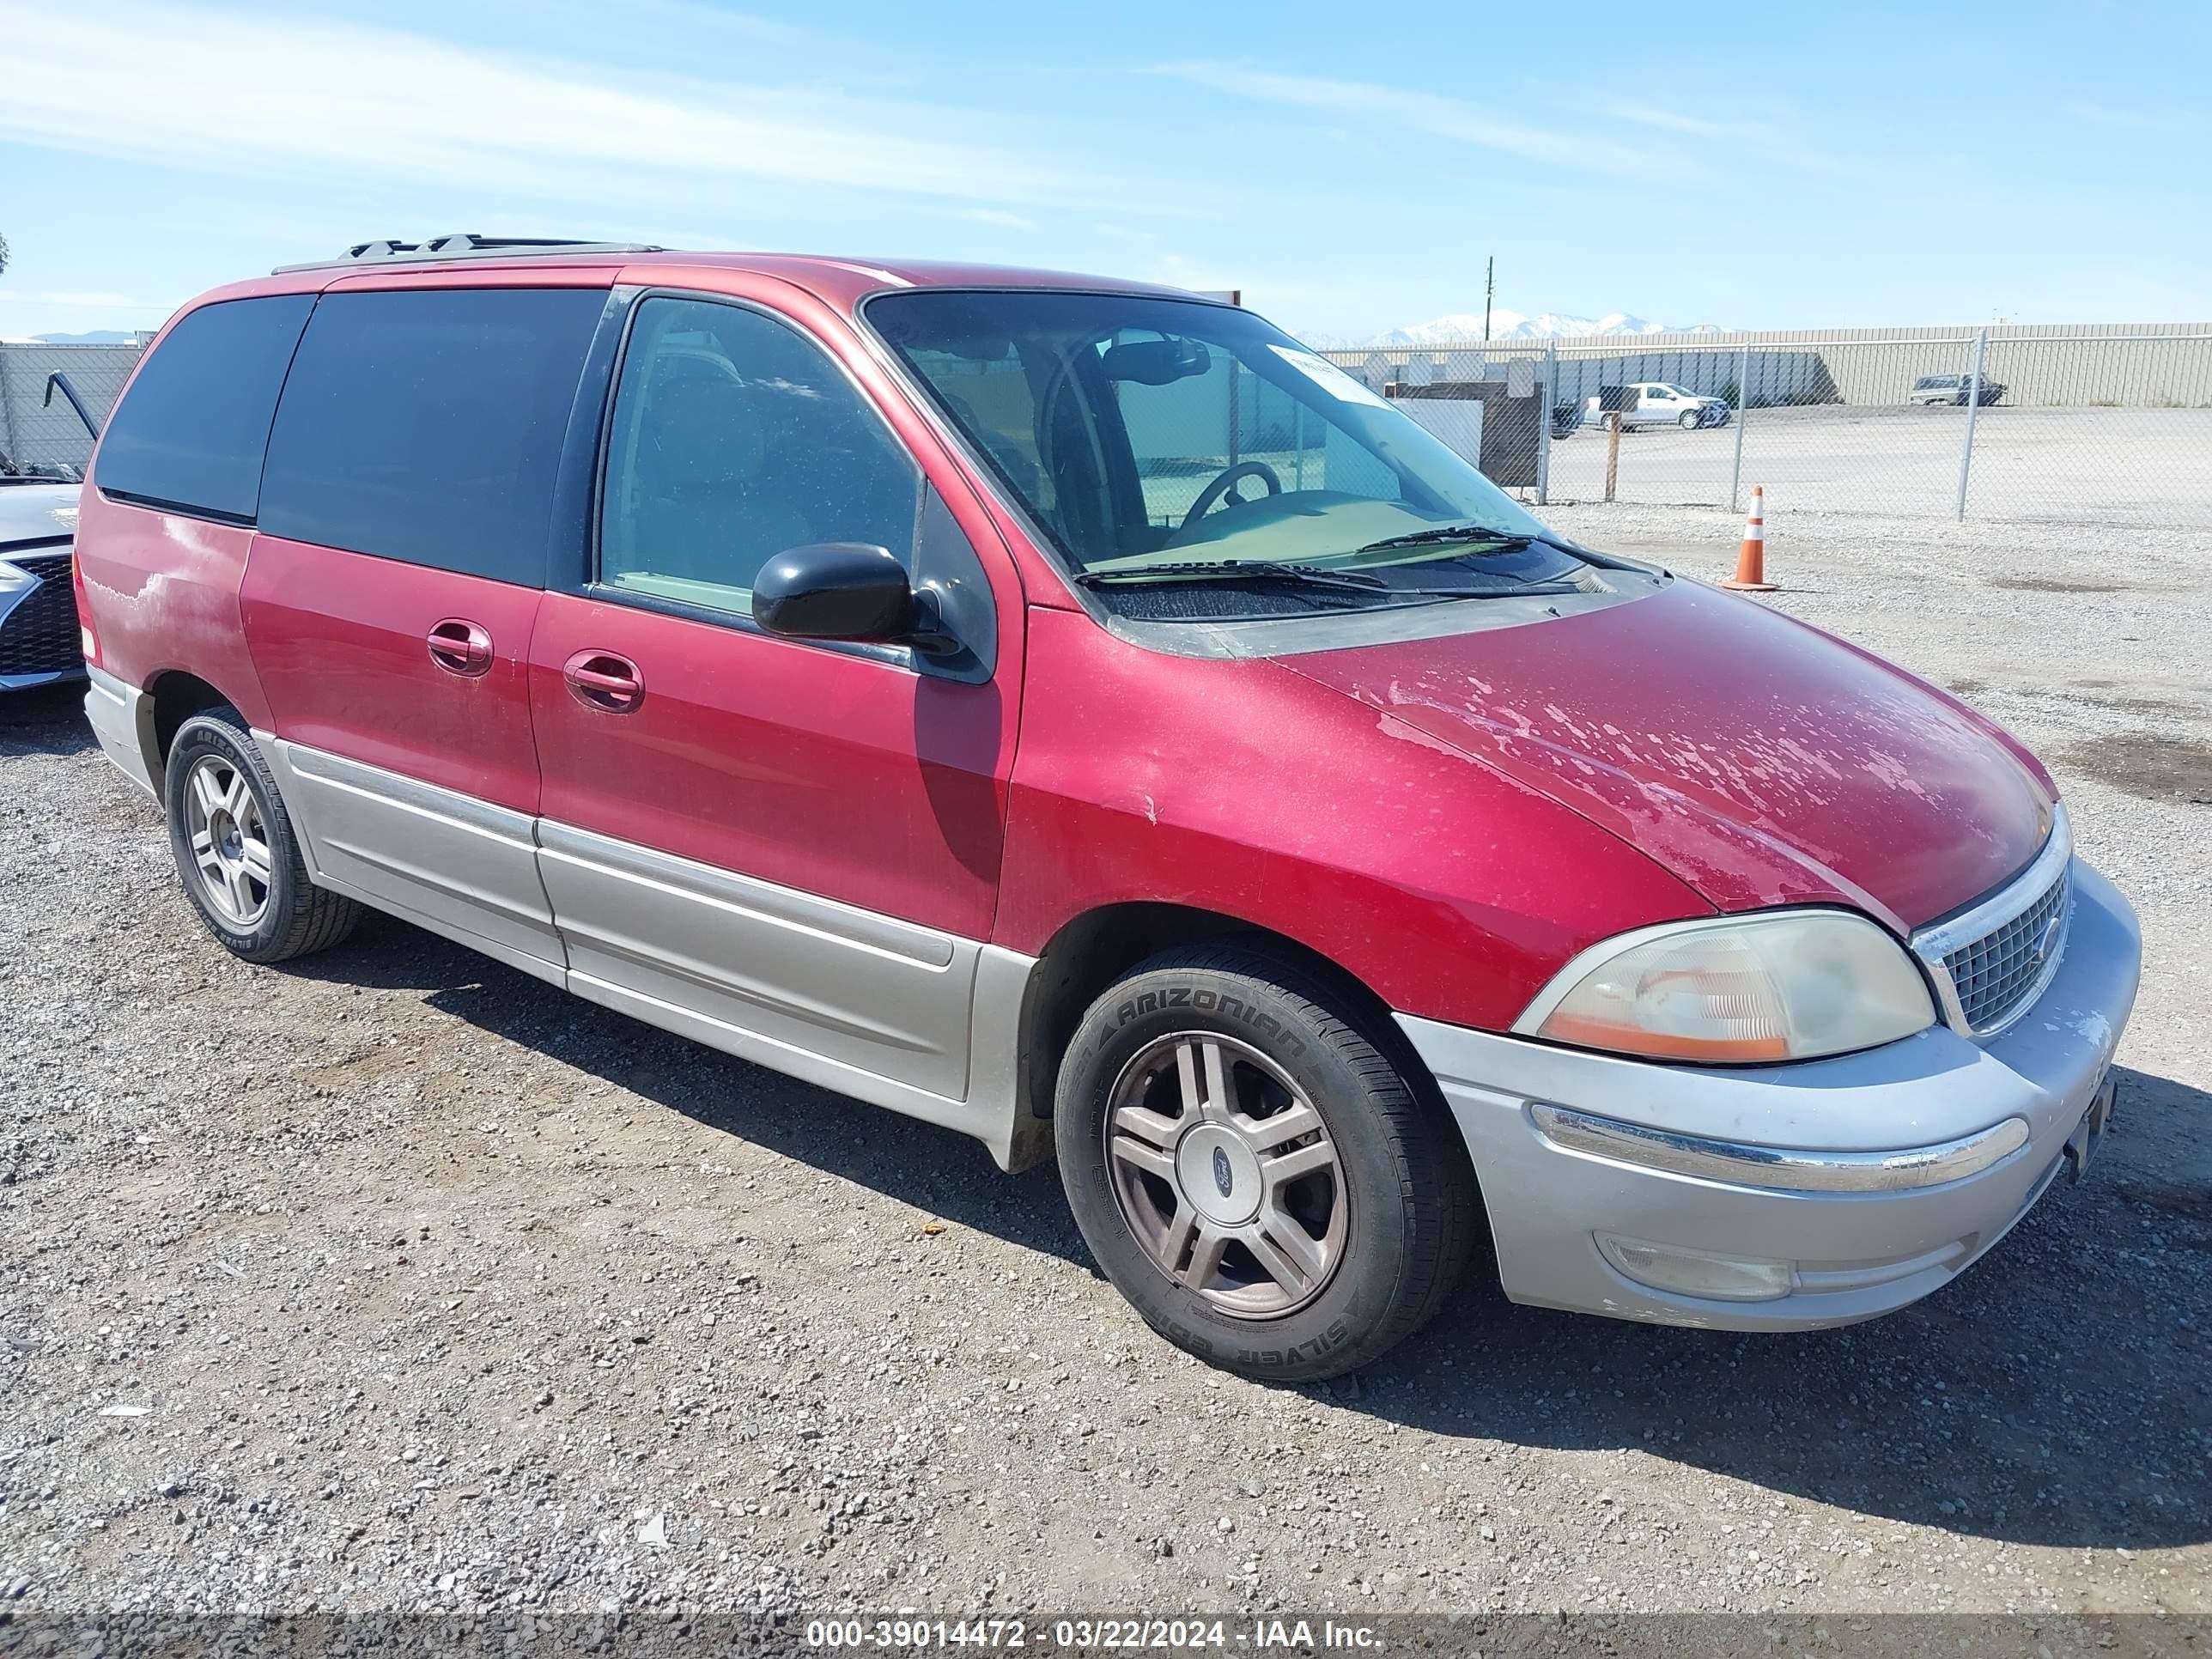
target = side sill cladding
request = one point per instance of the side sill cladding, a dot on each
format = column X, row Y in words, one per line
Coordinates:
column 122, row 718
column 923, row 1022
column 791, row 969
column 445, row 861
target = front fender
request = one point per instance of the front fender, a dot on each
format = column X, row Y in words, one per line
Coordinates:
column 1236, row 786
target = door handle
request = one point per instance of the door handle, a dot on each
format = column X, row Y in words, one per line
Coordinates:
column 603, row 681
column 460, row 646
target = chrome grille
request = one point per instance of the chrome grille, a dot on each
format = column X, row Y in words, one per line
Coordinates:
column 1994, row 975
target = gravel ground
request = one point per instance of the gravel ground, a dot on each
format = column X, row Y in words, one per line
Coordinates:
column 398, row 1280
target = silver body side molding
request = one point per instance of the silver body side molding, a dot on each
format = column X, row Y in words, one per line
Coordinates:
column 902, row 1016
column 867, row 992
column 444, row 860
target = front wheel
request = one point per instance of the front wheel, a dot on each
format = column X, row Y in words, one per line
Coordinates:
column 1253, row 1173
column 1691, row 420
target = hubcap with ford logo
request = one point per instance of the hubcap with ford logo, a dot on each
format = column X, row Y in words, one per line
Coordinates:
column 1226, row 1174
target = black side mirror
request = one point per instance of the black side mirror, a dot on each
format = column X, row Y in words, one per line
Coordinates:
column 844, row 591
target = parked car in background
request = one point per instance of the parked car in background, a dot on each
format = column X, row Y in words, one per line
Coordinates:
column 1658, row 402
column 1348, row 877
column 1566, row 419
column 1952, row 389
column 39, row 642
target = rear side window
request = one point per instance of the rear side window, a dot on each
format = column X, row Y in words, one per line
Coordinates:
column 426, row 425
column 192, row 431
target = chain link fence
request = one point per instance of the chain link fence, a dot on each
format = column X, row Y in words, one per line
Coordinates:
column 41, row 434
column 2087, row 426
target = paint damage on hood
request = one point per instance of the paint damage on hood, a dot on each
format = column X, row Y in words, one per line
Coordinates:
column 1760, row 760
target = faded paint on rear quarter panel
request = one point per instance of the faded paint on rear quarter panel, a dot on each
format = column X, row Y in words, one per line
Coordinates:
column 161, row 593
column 342, row 643
column 1450, row 890
column 853, row 779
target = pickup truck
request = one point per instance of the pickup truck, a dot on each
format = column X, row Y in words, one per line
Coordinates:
column 1656, row 402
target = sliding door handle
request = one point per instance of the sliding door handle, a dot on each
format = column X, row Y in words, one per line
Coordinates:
column 460, row 646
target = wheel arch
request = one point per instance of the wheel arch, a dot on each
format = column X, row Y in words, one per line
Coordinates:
column 1093, row 949
column 172, row 696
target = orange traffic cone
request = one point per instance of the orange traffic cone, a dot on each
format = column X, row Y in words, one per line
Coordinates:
column 1751, row 558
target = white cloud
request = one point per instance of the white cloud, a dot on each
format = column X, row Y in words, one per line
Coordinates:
column 1426, row 113
column 2129, row 120
column 997, row 216
column 274, row 93
column 1780, row 137
column 1666, row 121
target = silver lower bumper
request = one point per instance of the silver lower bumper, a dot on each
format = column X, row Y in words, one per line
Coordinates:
column 124, row 723
column 1559, row 1212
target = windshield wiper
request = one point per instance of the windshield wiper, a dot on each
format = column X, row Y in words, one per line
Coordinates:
column 1454, row 532
column 1231, row 570
column 1257, row 571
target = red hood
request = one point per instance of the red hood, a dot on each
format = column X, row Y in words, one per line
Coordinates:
column 1760, row 760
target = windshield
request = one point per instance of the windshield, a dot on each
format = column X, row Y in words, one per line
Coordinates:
column 1162, row 438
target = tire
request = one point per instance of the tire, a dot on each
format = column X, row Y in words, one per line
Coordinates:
column 1691, row 420
column 1387, row 1205
column 222, row 804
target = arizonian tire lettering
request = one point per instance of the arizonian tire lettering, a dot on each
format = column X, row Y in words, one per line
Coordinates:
column 1208, row 1001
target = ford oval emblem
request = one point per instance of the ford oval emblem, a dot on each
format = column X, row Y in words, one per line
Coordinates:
column 2046, row 942
column 1223, row 1177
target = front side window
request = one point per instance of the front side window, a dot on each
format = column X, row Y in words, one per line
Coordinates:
column 734, row 439
column 192, row 432
column 1151, row 434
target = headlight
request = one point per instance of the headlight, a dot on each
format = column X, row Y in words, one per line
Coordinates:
column 1788, row 985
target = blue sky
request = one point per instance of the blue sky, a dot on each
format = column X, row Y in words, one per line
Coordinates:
column 1348, row 166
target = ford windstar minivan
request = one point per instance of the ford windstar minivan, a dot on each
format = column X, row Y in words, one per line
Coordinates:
column 1076, row 714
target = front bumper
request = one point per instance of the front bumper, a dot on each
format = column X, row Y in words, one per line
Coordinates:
column 38, row 639
column 1849, row 1255
column 53, row 676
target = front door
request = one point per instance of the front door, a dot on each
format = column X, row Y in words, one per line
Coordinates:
column 790, row 850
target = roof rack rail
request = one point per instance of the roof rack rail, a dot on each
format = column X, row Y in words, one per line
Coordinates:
column 463, row 245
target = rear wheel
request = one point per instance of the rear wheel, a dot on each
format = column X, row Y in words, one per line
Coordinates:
column 1254, row 1173
column 236, row 851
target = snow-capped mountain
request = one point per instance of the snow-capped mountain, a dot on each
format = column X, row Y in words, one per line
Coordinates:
column 1465, row 325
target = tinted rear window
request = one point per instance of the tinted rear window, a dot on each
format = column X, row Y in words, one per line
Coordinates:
column 426, row 425
column 192, row 431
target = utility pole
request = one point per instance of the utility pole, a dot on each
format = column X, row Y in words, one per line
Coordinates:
column 1489, row 288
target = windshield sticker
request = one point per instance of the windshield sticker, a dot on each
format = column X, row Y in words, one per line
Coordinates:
column 1327, row 376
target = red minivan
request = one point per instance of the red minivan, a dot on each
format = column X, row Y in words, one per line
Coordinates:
column 1076, row 714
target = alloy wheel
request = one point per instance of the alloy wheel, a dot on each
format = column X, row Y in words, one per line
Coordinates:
column 229, row 841
column 1226, row 1174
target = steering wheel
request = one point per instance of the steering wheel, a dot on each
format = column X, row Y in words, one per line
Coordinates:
column 1226, row 484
